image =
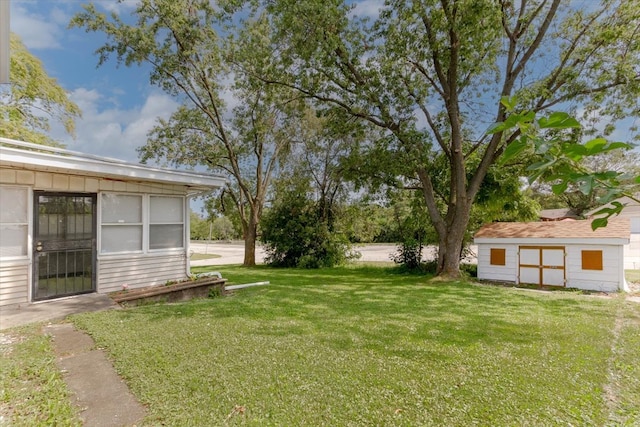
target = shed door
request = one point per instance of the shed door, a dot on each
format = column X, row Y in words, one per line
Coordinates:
column 542, row 265
column 64, row 244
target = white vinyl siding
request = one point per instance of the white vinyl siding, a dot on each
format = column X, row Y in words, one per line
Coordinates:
column 501, row 273
column 139, row 271
column 607, row 280
column 14, row 279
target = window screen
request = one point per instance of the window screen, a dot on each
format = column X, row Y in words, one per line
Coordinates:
column 121, row 223
column 14, row 221
column 166, row 222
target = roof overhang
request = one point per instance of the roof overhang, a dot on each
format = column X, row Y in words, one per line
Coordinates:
column 23, row 155
column 540, row 241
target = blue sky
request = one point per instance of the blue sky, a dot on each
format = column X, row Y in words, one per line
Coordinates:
column 119, row 105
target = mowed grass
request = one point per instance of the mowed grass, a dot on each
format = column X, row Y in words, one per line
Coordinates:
column 32, row 391
column 368, row 346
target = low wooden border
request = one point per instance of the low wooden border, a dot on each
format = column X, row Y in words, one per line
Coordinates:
column 180, row 291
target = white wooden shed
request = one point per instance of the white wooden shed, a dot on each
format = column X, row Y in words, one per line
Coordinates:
column 560, row 253
column 72, row 223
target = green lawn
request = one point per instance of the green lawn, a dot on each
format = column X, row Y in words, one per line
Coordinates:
column 32, row 391
column 366, row 346
column 632, row 276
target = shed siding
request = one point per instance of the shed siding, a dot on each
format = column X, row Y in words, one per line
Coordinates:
column 14, row 280
column 501, row 273
column 606, row 280
column 139, row 271
column 609, row 279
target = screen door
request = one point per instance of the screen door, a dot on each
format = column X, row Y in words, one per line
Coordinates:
column 64, row 244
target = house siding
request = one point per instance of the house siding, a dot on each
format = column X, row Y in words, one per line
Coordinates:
column 84, row 184
column 499, row 273
column 14, row 279
column 134, row 270
column 140, row 271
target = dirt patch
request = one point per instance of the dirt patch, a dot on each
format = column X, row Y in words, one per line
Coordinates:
column 7, row 342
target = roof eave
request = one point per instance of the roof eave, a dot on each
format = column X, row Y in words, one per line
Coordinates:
column 552, row 240
column 107, row 168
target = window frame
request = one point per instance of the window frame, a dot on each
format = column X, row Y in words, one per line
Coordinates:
column 122, row 224
column 145, row 225
column 182, row 223
column 27, row 225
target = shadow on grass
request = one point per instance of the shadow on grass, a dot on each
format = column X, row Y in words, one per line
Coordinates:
column 378, row 308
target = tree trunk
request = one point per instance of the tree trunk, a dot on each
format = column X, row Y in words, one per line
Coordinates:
column 451, row 242
column 250, row 237
column 449, row 250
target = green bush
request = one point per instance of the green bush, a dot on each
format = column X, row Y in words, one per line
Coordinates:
column 409, row 254
column 296, row 234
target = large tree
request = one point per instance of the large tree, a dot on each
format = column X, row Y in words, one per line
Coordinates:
column 33, row 99
column 193, row 47
column 432, row 74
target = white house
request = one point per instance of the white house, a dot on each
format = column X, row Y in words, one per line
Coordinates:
column 631, row 210
column 559, row 253
column 72, row 223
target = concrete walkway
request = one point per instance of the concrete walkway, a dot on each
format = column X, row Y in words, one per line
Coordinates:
column 100, row 395
column 54, row 310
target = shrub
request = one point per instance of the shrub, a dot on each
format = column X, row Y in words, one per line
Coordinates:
column 295, row 234
column 409, row 254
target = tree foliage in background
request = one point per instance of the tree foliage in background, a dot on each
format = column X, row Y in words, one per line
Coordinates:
column 431, row 74
column 308, row 233
column 195, row 48
column 626, row 162
column 33, row 100
column 217, row 228
column 562, row 161
column 296, row 232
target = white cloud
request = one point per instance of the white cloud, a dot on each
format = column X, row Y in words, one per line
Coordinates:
column 118, row 7
column 367, row 8
column 109, row 131
column 37, row 31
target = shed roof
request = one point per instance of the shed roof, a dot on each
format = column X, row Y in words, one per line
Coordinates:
column 24, row 155
column 617, row 228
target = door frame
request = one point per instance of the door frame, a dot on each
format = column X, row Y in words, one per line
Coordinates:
column 36, row 226
column 542, row 266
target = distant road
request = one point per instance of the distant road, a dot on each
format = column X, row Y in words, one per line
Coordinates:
column 233, row 253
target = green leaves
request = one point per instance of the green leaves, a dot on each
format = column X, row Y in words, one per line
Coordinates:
column 558, row 120
column 33, row 100
column 560, row 158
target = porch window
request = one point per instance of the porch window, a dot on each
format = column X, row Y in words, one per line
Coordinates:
column 14, row 221
column 592, row 260
column 121, row 223
column 498, row 256
column 166, row 222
